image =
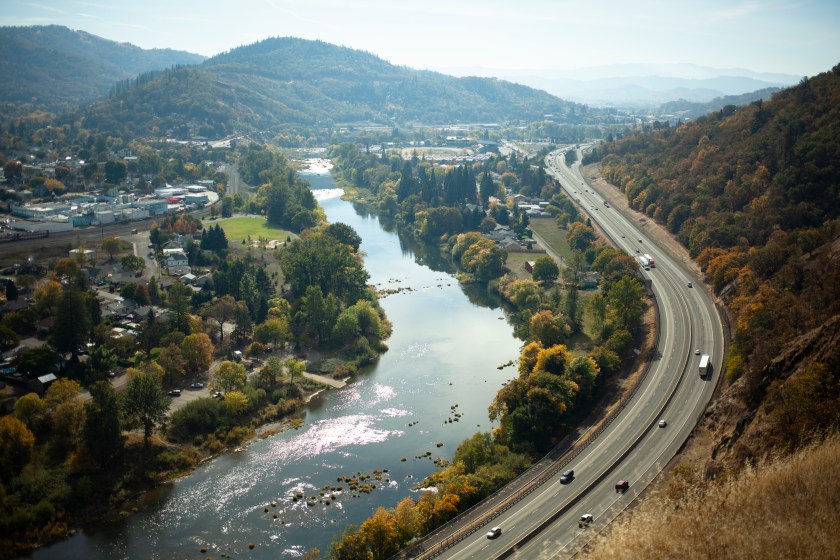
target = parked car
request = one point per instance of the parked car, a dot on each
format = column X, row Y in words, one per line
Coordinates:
column 622, row 486
column 197, row 385
column 494, row 532
column 567, row 476
column 174, row 393
column 585, row 520
column 217, row 395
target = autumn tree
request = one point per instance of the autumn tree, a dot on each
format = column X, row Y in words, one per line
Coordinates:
column 16, row 443
column 229, row 376
column 173, row 363
column 197, row 351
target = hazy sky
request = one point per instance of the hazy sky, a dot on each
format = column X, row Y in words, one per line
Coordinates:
column 789, row 36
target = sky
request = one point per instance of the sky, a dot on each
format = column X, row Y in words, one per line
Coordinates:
column 801, row 38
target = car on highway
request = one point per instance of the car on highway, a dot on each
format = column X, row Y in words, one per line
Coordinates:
column 622, row 486
column 567, row 476
column 622, row 236
column 494, row 532
column 689, row 285
column 585, row 520
column 662, row 423
column 638, row 251
column 174, row 393
column 696, row 351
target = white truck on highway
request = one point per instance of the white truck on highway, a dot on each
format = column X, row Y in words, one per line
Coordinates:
column 705, row 365
column 644, row 262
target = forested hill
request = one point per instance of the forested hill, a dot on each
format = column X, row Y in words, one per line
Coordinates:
column 54, row 67
column 283, row 81
column 754, row 193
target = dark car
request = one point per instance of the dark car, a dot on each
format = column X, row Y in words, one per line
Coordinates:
column 197, row 385
column 622, row 486
column 494, row 532
column 567, row 476
column 174, row 393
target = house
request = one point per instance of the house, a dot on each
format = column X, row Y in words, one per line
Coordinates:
column 175, row 259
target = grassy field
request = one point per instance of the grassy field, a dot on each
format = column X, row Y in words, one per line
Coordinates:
column 237, row 229
column 553, row 235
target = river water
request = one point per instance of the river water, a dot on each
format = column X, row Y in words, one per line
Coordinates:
column 442, row 361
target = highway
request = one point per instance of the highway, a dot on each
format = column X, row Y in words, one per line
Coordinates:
column 544, row 524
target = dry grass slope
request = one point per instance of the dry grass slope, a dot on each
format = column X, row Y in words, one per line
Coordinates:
column 785, row 508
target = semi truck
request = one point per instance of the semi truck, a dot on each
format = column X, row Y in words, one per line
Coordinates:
column 650, row 261
column 705, row 365
column 644, row 262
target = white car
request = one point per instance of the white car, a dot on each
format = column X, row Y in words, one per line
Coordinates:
column 494, row 532
column 585, row 520
column 662, row 423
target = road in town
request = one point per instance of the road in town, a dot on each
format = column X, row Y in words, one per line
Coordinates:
column 544, row 523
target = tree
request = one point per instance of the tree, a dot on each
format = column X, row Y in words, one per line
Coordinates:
column 112, row 246
column 8, row 338
column 115, row 171
column 32, row 410
column 39, row 360
column 344, row 234
column 221, row 310
column 318, row 313
column 229, row 376
column 625, row 303
column 66, row 414
column 580, row 236
column 102, row 360
column 101, row 430
column 47, row 295
column 179, row 305
column 133, row 263
column 16, row 443
column 545, row 270
column 227, row 207
column 270, row 372
column 197, row 351
column 11, row 291
column 236, row 402
column 294, row 367
column 72, row 321
column 273, row 330
column 172, row 362
column 144, row 404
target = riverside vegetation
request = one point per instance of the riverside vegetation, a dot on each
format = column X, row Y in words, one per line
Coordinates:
column 65, row 461
column 555, row 386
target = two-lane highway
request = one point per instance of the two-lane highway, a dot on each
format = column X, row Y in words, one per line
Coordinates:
column 633, row 447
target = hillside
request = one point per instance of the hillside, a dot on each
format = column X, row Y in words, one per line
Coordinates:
column 753, row 193
column 55, row 67
column 785, row 508
column 282, row 81
column 692, row 110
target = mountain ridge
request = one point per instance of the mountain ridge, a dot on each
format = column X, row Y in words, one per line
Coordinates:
column 54, row 67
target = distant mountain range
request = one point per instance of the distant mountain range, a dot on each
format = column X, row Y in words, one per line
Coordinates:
column 53, row 66
column 641, row 85
column 286, row 81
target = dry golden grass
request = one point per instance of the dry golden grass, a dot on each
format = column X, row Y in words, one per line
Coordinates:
column 786, row 508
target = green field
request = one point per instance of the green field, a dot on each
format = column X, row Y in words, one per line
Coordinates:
column 237, row 229
column 553, row 235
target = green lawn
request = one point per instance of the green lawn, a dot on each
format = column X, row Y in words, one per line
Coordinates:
column 553, row 235
column 237, row 229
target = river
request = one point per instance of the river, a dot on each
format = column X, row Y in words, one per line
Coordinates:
column 432, row 387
